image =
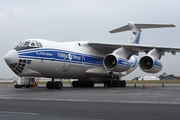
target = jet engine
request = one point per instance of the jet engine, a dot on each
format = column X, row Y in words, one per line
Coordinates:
column 149, row 64
column 114, row 62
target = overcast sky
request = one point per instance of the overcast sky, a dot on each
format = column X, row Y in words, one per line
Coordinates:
column 89, row 20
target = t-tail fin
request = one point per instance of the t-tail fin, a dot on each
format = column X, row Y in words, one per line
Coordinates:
column 136, row 30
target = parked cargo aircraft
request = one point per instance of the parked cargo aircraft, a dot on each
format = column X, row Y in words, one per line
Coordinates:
column 85, row 61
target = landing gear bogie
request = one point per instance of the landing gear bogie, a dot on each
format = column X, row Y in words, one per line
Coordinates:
column 115, row 83
column 123, row 83
column 58, row 85
column 79, row 84
column 52, row 85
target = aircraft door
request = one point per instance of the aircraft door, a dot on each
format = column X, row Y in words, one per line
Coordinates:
column 67, row 63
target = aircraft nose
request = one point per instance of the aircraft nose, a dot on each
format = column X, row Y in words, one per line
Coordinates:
column 11, row 57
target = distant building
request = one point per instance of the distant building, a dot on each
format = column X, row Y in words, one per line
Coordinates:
column 168, row 77
column 148, row 78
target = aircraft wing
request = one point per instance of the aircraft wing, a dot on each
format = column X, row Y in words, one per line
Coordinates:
column 108, row 47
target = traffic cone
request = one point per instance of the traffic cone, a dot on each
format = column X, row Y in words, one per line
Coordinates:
column 143, row 86
column 105, row 85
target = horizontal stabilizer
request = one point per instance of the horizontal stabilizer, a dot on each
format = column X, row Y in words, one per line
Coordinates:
column 140, row 26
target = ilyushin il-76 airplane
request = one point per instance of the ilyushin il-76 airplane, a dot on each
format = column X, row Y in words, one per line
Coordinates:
column 87, row 62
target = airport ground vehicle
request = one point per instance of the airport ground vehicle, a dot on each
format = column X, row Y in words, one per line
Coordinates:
column 24, row 82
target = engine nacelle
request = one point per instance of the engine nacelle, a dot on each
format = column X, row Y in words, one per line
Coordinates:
column 134, row 63
column 114, row 62
column 150, row 65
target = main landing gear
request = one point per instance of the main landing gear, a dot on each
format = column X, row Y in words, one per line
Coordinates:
column 115, row 83
column 77, row 84
column 109, row 83
column 52, row 84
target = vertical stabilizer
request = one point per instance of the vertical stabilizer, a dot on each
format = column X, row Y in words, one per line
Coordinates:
column 135, row 35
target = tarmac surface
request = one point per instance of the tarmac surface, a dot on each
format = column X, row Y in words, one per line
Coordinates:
column 98, row 103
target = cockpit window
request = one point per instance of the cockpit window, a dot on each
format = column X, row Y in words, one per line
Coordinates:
column 20, row 43
column 30, row 43
column 26, row 43
column 40, row 44
column 33, row 44
column 37, row 44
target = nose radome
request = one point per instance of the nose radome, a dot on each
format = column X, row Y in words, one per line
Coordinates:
column 11, row 57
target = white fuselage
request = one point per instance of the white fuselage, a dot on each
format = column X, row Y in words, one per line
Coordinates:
column 69, row 60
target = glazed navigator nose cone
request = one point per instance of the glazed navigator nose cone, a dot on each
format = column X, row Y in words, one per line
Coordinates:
column 11, row 57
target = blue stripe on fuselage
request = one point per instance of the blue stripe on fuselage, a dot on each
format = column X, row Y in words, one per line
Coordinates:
column 60, row 56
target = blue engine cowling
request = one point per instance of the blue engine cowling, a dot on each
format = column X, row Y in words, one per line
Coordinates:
column 115, row 63
column 149, row 64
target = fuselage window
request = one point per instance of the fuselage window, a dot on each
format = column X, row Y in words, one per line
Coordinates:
column 20, row 60
column 28, row 61
column 24, row 61
column 26, row 43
